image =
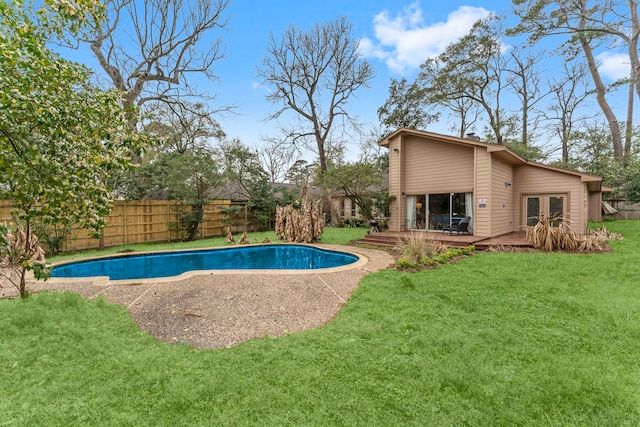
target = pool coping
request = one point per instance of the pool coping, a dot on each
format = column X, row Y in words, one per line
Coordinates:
column 362, row 261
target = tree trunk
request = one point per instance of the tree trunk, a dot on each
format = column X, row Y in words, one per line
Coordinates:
column 23, row 270
column 614, row 126
column 629, row 125
column 633, row 46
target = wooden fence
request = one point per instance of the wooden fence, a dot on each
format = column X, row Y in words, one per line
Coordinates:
column 147, row 221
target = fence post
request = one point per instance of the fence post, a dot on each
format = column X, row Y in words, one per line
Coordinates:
column 124, row 222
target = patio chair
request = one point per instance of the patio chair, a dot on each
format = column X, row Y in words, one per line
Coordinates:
column 460, row 227
column 437, row 222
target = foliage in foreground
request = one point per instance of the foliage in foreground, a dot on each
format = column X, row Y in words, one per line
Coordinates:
column 20, row 252
column 61, row 138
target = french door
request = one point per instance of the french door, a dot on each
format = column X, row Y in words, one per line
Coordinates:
column 549, row 206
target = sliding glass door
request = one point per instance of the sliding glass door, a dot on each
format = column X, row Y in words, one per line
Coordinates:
column 437, row 211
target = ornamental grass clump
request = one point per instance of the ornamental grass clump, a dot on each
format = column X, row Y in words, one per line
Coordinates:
column 551, row 234
column 419, row 251
column 418, row 248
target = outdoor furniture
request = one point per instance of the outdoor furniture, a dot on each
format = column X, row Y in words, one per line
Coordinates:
column 460, row 227
column 438, row 222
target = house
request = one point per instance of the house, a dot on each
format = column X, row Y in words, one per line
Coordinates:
column 438, row 179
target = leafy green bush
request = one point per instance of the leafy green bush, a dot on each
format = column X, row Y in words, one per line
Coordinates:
column 406, row 263
column 353, row 223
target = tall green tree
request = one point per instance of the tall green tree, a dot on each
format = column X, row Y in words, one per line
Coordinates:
column 406, row 107
column 472, row 68
column 60, row 137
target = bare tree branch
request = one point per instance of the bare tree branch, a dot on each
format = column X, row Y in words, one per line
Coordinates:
column 148, row 49
column 313, row 75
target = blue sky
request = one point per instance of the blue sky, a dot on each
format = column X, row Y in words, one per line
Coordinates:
column 396, row 37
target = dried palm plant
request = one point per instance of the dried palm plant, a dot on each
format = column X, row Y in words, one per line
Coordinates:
column 548, row 237
column 244, row 239
column 21, row 251
column 304, row 225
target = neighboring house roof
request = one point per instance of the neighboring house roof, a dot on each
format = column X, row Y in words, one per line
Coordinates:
column 594, row 182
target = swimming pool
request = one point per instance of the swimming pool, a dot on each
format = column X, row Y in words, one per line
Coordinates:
column 168, row 264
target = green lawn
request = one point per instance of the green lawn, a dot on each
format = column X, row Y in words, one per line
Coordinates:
column 497, row 339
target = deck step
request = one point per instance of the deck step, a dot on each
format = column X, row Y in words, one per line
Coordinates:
column 375, row 239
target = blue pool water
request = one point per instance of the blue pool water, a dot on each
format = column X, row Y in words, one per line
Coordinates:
column 167, row 264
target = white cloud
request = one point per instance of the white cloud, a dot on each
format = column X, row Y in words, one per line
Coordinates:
column 614, row 66
column 405, row 41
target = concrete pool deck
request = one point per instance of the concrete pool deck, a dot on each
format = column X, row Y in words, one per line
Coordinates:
column 217, row 309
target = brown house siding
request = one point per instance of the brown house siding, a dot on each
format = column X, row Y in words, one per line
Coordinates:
column 595, row 206
column 436, row 167
column 482, row 191
column 395, row 170
column 501, row 203
column 535, row 181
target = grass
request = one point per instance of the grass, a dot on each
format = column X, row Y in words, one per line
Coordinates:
column 496, row 339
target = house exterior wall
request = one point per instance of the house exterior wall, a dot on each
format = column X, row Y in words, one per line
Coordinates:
column 595, row 206
column 481, row 220
column 396, row 207
column 530, row 181
column 432, row 167
column 501, row 202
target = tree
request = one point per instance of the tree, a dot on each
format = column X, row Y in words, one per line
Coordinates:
column 357, row 181
column 301, row 172
column 60, row 137
column 277, row 157
column 238, row 164
column 405, row 107
column 568, row 94
column 149, row 49
column 470, row 69
column 183, row 127
column 188, row 178
column 525, row 82
column 314, row 75
column 587, row 25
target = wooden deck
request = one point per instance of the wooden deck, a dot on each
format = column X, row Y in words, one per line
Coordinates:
column 391, row 238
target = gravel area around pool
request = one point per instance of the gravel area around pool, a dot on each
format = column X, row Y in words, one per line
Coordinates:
column 220, row 309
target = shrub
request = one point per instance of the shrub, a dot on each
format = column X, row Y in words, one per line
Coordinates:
column 353, row 223
column 417, row 247
column 406, row 263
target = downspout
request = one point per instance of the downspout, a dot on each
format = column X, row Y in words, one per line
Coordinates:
column 402, row 219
